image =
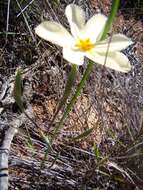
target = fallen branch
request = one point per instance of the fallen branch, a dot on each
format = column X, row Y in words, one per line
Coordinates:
column 4, row 153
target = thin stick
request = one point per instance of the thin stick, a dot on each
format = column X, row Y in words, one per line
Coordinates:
column 25, row 19
column 25, row 8
column 7, row 19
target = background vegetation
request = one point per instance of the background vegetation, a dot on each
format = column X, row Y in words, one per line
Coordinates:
column 111, row 156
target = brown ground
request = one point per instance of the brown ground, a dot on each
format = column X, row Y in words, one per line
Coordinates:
column 111, row 102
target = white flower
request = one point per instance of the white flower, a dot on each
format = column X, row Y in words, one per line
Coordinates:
column 85, row 40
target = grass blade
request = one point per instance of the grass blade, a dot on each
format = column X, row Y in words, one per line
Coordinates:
column 18, row 90
column 49, row 147
column 96, row 152
column 46, row 139
column 29, row 142
column 84, row 134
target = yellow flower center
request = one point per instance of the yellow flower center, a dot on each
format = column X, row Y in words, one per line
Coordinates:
column 84, row 45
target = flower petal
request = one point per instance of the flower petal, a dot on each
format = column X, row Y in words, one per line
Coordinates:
column 94, row 27
column 76, row 18
column 74, row 57
column 118, row 42
column 117, row 61
column 55, row 33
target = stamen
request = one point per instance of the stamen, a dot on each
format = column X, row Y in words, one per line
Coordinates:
column 84, row 45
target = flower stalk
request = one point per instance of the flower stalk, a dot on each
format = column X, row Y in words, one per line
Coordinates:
column 74, row 98
column 108, row 25
column 67, row 92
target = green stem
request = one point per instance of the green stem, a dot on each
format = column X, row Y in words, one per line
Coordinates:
column 68, row 88
column 113, row 12
column 74, row 98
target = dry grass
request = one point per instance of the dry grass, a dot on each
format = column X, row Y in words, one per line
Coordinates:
column 111, row 102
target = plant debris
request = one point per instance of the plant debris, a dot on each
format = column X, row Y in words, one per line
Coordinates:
column 111, row 102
